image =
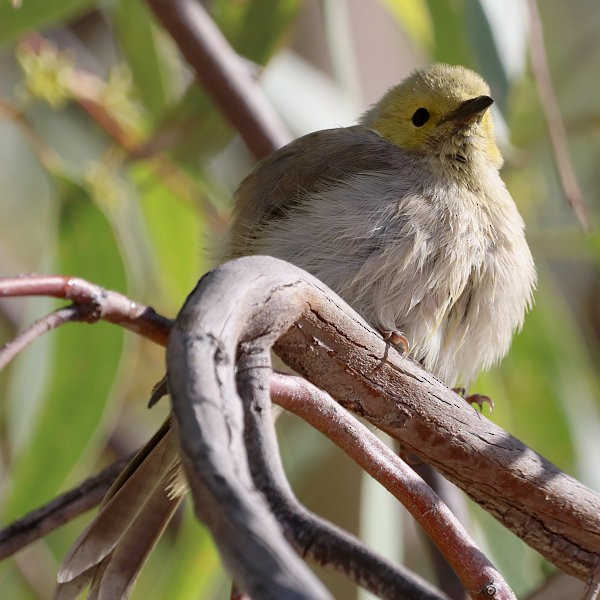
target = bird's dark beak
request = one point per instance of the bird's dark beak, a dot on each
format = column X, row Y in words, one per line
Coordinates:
column 469, row 109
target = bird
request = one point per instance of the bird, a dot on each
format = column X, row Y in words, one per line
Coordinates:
column 406, row 217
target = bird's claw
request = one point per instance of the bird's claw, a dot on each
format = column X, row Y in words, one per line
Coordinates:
column 396, row 338
column 478, row 399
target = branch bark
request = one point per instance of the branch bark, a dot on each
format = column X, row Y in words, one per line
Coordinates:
column 248, row 304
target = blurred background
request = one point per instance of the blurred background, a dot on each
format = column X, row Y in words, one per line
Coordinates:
column 115, row 167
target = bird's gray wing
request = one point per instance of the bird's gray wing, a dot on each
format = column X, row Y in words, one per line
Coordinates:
column 309, row 164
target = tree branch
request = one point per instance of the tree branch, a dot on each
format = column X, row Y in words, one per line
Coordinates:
column 223, row 75
column 230, row 456
column 320, row 410
column 311, row 536
column 220, row 347
column 108, row 305
column 68, row 314
column 552, row 512
column 328, row 545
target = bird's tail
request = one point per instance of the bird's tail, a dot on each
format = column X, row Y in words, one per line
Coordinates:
column 111, row 551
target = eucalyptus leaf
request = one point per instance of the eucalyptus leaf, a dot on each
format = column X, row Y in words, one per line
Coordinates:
column 85, row 360
column 144, row 46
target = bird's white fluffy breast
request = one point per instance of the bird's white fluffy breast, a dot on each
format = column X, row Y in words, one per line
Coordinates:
column 447, row 265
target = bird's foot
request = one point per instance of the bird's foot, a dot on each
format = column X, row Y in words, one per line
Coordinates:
column 396, row 338
column 478, row 399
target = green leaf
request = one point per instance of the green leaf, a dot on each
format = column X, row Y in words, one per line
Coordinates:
column 176, row 230
column 35, row 14
column 451, row 43
column 188, row 566
column 85, row 361
column 194, row 129
column 263, row 25
column 500, row 32
column 415, row 18
column 144, row 48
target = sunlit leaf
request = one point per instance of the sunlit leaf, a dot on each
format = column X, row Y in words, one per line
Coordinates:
column 509, row 24
column 176, row 231
column 416, row 19
column 255, row 28
column 85, row 362
column 499, row 36
column 451, row 42
column 263, row 25
column 144, row 47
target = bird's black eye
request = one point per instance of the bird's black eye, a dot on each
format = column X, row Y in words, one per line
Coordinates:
column 420, row 117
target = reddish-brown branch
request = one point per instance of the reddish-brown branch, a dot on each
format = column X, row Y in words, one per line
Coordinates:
column 108, row 305
column 75, row 312
column 223, row 74
column 323, row 413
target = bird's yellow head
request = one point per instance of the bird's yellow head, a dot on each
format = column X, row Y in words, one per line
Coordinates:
column 440, row 111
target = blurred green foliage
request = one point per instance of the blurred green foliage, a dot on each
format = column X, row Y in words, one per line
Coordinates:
column 118, row 169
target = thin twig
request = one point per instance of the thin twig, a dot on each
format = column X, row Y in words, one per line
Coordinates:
column 58, row 511
column 556, row 128
column 223, row 74
column 110, row 306
column 67, row 314
column 322, row 412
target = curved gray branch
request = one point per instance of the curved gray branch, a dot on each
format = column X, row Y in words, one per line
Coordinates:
column 213, row 454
